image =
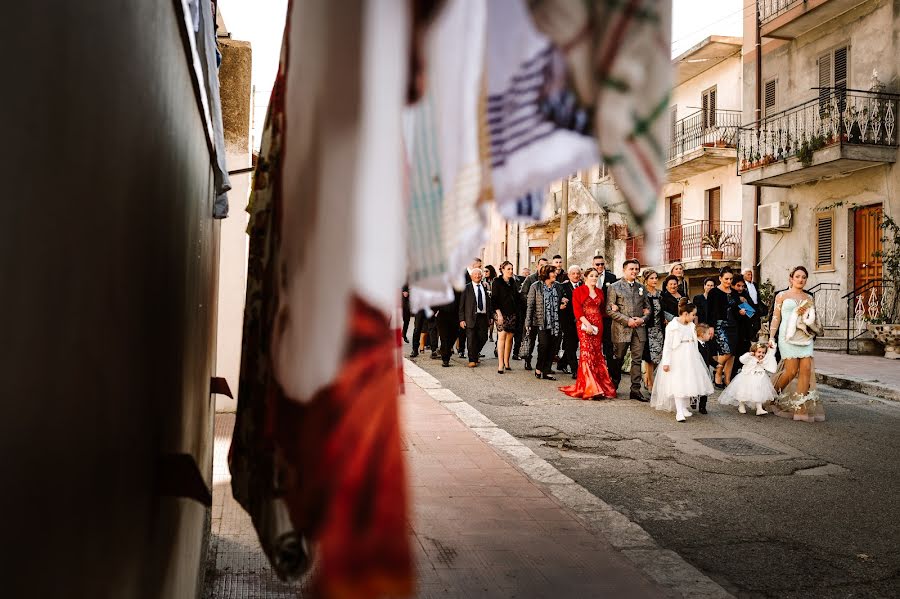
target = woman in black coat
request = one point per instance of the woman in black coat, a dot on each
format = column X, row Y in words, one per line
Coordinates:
column 505, row 298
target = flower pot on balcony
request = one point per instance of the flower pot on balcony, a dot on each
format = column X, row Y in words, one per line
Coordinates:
column 889, row 335
column 717, row 254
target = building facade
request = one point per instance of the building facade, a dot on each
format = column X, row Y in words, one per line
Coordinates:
column 698, row 217
column 818, row 148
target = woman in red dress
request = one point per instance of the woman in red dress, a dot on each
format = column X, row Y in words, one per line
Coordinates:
column 593, row 377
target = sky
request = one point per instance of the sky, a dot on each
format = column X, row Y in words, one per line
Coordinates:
column 261, row 22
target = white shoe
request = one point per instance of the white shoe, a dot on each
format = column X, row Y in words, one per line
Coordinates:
column 679, row 418
column 688, row 413
column 760, row 411
column 742, row 409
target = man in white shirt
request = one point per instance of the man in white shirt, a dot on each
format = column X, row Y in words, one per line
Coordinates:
column 751, row 286
column 475, row 315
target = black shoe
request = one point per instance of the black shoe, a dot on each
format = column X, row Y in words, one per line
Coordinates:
column 702, row 408
column 516, row 357
column 537, row 375
column 638, row 396
column 500, row 372
column 564, row 370
column 445, row 364
column 508, row 368
column 462, row 354
column 435, row 355
column 415, row 354
column 527, row 364
column 405, row 340
column 574, row 376
column 480, row 355
column 719, row 385
column 547, row 377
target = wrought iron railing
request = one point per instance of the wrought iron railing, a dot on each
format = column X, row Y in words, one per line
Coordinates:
column 875, row 302
column 828, row 302
column 836, row 116
column 717, row 128
column 769, row 9
column 687, row 242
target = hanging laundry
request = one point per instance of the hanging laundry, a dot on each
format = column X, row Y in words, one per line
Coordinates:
column 619, row 59
column 538, row 130
column 317, row 429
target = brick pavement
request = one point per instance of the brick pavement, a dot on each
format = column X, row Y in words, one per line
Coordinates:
column 479, row 527
column 871, row 375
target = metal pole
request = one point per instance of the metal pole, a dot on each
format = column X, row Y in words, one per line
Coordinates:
column 564, row 223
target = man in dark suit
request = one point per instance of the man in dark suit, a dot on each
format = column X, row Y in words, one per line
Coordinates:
column 569, row 360
column 523, row 293
column 446, row 317
column 476, row 263
column 475, row 315
column 407, row 314
column 605, row 278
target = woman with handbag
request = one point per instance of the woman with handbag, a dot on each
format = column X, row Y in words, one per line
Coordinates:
column 545, row 299
column 794, row 318
column 589, row 306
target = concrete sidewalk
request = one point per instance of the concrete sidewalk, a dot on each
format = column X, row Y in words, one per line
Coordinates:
column 870, row 375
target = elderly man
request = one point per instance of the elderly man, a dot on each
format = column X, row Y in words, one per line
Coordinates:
column 627, row 305
column 475, row 315
column 530, row 342
column 569, row 360
column 752, row 291
column 461, row 341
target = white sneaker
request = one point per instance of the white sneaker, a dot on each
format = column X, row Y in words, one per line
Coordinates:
column 742, row 409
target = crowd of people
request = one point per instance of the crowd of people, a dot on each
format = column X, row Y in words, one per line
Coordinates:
column 679, row 348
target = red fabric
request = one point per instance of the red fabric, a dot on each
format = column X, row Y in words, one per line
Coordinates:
column 346, row 487
column 593, row 377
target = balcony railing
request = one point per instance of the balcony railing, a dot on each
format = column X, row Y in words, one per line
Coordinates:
column 837, row 116
column 683, row 243
column 717, row 128
column 769, row 9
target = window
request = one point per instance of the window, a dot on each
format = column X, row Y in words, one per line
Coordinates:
column 834, row 68
column 825, row 240
column 714, row 206
column 602, row 172
column 708, row 106
column 771, row 97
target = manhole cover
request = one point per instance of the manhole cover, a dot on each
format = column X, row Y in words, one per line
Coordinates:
column 737, row 446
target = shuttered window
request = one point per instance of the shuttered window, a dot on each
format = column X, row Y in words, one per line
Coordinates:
column 834, row 69
column 824, row 240
column 771, row 99
column 708, row 105
column 714, row 207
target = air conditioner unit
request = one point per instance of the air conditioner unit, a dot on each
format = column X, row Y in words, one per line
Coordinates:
column 773, row 217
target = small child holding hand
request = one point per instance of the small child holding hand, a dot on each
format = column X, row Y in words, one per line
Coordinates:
column 752, row 384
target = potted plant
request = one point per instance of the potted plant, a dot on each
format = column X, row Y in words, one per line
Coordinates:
column 886, row 325
column 716, row 241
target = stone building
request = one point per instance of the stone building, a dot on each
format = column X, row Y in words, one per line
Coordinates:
column 818, row 149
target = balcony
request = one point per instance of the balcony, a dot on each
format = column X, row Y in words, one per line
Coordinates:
column 702, row 141
column 839, row 132
column 684, row 243
column 787, row 19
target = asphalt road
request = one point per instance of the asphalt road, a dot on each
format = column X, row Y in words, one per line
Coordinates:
column 766, row 507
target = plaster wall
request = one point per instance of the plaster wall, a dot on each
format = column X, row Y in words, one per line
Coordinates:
column 726, row 76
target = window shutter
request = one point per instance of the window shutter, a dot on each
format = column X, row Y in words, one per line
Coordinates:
column 712, row 107
column 824, row 240
column 770, row 97
column 714, row 206
column 840, row 67
column 825, row 81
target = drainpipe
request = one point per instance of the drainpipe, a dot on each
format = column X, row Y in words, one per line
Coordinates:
column 758, row 113
column 564, row 223
column 518, row 247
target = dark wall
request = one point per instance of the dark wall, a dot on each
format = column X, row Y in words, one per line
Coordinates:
column 108, row 258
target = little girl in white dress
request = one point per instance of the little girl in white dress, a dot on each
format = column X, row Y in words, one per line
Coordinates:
column 683, row 374
column 753, row 385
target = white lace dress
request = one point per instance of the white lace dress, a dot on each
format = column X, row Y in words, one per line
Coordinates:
column 753, row 384
column 688, row 375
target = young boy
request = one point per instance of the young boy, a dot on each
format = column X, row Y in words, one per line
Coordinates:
column 706, row 349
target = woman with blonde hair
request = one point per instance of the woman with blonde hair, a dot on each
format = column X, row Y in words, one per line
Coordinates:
column 794, row 318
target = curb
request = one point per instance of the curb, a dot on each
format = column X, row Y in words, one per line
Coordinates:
column 663, row 566
column 860, row 385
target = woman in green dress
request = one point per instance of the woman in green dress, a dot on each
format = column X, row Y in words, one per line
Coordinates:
column 794, row 319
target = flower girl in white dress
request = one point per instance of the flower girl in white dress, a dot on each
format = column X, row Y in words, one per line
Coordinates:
column 753, row 385
column 683, row 374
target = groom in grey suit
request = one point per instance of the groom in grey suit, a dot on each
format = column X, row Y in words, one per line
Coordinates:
column 627, row 305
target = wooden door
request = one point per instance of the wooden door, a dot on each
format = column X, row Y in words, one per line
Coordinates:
column 673, row 234
column 867, row 235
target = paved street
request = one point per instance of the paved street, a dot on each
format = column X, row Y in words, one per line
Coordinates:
column 766, row 507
